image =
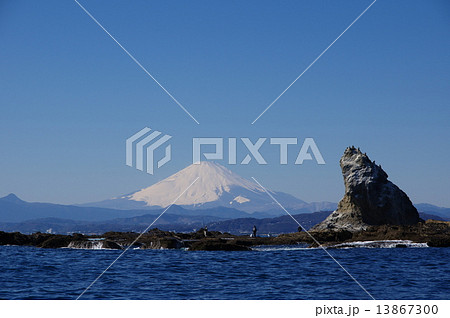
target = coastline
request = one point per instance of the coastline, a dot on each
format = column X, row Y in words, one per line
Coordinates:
column 430, row 233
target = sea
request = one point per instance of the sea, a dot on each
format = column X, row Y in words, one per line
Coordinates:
column 282, row 272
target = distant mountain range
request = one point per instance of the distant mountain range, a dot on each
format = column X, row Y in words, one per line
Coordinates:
column 433, row 209
column 173, row 222
column 13, row 209
column 168, row 222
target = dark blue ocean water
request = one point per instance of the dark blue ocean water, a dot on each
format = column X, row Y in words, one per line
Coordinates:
column 411, row 273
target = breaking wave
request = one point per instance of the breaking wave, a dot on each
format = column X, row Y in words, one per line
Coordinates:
column 381, row 244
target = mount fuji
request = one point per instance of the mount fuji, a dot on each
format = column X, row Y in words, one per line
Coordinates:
column 216, row 186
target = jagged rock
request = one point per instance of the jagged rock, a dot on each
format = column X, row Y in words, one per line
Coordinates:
column 56, row 241
column 165, row 243
column 155, row 232
column 370, row 198
column 14, row 238
column 111, row 245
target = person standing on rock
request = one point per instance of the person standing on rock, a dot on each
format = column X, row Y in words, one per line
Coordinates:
column 254, row 230
column 205, row 231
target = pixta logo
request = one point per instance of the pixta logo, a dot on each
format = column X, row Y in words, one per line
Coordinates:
column 253, row 150
column 144, row 140
column 141, row 147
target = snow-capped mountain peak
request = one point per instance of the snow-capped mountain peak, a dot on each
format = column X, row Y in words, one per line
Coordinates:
column 214, row 181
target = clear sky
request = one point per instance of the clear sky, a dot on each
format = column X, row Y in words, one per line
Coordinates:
column 69, row 96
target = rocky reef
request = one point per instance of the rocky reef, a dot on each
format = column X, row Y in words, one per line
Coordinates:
column 153, row 239
column 370, row 198
column 43, row 240
column 432, row 233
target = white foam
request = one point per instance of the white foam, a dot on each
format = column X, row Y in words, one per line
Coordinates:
column 88, row 245
column 359, row 244
column 280, row 248
column 381, row 244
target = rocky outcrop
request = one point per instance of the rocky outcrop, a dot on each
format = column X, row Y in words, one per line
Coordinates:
column 370, row 198
column 43, row 240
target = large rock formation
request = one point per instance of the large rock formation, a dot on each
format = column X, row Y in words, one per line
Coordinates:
column 370, row 198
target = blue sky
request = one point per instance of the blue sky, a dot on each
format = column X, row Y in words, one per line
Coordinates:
column 70, row 96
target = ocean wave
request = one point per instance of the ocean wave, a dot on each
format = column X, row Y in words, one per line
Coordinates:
column 275, row 248
column 358, row 244
column 88, row 245
column 380, row 244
